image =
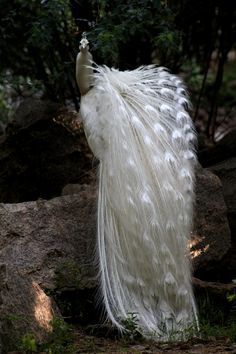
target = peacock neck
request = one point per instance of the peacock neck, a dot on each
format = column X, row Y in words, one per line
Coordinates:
column 84, row 71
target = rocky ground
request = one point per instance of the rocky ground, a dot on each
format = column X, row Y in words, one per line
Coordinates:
column 85, row 343
column 91, row 344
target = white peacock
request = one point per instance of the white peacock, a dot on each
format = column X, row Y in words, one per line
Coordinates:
column 137, row 125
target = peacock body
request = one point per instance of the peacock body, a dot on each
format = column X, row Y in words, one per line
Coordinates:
column 137, row 125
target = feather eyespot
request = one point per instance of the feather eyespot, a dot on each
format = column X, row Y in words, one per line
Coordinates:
column 176, row 135
column 189, row 155
column 182, row 117
column 158, row 128
column 183, row 101
column 164, row 108
column 169, row 157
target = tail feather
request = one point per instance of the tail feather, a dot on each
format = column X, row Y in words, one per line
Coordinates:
column 137, row 125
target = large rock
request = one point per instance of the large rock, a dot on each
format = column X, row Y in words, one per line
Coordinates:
column 43, row 150
column 226, row 171
column 46, row 248
column 211, row 239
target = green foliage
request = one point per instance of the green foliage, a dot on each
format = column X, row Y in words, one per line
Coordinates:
column 126, row 33
column 231, row 297
column 61, row 339
column 38, row 42
column 48, row 22
column 132, row 331
column 209, row 331
column 28, row 344
column 210, row 312
column 195, row 76
column 216, row 319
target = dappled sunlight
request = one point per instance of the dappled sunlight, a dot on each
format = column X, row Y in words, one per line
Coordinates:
column 197, row 247
column 43, row 309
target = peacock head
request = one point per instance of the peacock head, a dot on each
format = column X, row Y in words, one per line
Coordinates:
column 84, row 43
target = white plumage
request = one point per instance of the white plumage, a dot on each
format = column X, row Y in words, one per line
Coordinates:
column 137, row 125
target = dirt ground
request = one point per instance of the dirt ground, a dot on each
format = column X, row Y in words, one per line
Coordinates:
column 92, row 344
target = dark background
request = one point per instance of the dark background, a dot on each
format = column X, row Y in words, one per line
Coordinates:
column 39, row 41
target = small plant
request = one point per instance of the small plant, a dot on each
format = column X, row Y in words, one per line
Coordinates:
column 28, row 343
column 61, row 339
column 132, row 331
column 231, row 298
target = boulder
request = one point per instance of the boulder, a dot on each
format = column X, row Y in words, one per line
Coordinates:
column 226, row 171
column 211, row 238
column 44, row 149
column 46, row 253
